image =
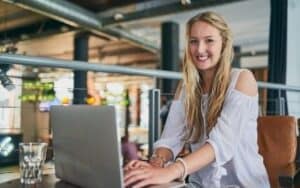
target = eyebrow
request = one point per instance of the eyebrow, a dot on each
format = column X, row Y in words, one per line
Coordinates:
column 209, row 36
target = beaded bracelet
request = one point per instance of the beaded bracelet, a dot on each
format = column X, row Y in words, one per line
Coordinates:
column 184, row 174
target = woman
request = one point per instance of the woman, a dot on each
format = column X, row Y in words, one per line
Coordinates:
column 215, row 113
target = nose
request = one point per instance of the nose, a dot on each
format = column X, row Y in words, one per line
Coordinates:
column 201, row 47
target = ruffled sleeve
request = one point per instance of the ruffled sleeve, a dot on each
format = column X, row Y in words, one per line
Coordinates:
column 173, row 133
column 238, row 110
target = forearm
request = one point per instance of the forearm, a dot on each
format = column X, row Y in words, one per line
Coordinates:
column 193, row 162
column 199, row 158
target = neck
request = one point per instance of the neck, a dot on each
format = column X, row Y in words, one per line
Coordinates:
column 207, row 77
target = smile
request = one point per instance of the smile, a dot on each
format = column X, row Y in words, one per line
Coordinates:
column 201, row 58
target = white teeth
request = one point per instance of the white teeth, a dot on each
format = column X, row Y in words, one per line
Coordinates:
column 202, row 58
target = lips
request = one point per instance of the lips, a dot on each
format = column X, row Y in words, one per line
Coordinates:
column 202, row 58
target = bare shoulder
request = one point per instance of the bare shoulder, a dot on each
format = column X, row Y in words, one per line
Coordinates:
column 246, row 83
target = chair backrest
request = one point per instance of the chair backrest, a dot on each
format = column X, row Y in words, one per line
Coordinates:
column 277, row 141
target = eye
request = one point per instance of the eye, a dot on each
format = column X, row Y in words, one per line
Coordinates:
column 210, row 40
column 193, row 41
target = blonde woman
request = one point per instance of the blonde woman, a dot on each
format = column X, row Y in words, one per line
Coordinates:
column 215, row 113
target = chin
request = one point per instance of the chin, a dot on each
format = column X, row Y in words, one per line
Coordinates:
column 201, row 69
column 202, row 66
column 205, row 67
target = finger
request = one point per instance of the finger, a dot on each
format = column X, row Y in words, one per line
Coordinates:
column 128, row 165
column 140, row 164
column 131, row 173
column 143, row 183
column 131, row 165
column 145, row 166
column 136, row 178
column 125, row 171
column 156, row 163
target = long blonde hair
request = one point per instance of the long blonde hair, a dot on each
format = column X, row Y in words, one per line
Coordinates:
column 192, row 79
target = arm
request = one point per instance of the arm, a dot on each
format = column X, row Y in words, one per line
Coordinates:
column 160, row 157
column 198, row 159
column 170, row 142
column 162, row 154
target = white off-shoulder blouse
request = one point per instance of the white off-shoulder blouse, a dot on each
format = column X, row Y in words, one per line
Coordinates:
column 234, row 140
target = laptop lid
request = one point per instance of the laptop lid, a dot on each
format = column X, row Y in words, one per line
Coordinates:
column 86, row 145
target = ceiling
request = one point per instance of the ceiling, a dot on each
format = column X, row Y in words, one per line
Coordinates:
column 138, row 19
column 249, row 19
column 103, row 5
column 250, row 28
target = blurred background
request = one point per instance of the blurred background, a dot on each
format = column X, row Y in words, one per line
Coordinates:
column 139, row 34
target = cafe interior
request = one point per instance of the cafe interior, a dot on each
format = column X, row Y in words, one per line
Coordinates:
column 128, row 54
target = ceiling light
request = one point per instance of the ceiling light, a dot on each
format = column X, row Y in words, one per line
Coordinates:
column 64, row 28
column 118, row 16
column 186, row 2
column 24, row 36
column 6, row 81
column 6, row 146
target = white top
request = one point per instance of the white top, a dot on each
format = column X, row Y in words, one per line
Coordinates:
column 234, row 140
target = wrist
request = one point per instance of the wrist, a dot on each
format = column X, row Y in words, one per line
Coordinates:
column 184, row 171
column 175, row 171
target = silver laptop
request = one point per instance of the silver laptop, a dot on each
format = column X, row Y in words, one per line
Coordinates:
column 86, row 146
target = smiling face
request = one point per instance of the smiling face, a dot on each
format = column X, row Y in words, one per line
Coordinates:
column 205, row 45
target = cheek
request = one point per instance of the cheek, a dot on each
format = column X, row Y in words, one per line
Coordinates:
column 192, row 52
column 217, row 51
column 191, row 49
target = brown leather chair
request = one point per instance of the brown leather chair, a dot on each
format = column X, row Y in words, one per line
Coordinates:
column 277, row 141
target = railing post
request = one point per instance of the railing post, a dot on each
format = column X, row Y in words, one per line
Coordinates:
column 280, row 104
column 154, row 125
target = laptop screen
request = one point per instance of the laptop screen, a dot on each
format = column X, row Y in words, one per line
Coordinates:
column 86, row 145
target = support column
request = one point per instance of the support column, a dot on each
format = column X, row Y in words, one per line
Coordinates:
column 169, row 54
column 236, row 63
column 80, row 77
column 277, row 55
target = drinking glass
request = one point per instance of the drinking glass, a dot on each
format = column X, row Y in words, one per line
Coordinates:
column 31, row 159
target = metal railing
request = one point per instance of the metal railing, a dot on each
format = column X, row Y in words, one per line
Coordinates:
column 154, row 95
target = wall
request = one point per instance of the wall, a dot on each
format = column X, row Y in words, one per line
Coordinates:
column 293, row 56
column 28, row 122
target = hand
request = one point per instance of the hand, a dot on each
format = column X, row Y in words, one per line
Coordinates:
column 135, row 164
column 157, row 161
column 148, row 175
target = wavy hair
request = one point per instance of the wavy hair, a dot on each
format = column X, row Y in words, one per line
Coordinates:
column 192, row 79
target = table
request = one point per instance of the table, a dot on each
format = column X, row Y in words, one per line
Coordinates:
column 48, row 181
